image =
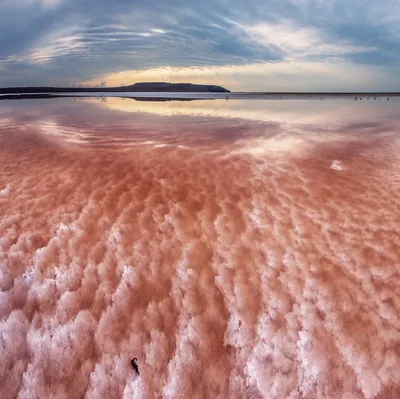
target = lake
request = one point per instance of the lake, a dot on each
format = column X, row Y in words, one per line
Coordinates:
column 235, row 248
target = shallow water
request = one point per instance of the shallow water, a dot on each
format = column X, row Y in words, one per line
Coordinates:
column 236, row 249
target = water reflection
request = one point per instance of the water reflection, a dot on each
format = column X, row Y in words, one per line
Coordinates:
column 243, row 248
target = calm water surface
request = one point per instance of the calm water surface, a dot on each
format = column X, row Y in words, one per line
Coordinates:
column 237, row 249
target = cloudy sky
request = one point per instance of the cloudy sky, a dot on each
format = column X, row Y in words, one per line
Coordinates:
column 244, row 45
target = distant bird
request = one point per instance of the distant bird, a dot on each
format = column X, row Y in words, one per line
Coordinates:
column 135, row 366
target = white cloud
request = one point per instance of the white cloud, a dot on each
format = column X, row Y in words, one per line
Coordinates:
column 156, row 30
column 41, row 3
column 67, row 41
column 57, row 44
column 296, row 42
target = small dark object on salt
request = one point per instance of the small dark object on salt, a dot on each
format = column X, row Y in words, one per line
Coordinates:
column 135, row 366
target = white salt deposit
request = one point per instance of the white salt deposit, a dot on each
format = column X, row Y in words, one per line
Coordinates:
column 336, row 165
column 226, row 273
column 6, row 190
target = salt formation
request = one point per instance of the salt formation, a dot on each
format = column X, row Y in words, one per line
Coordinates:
column 226, row 272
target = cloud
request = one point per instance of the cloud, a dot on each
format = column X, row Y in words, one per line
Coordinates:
column 101, row 37
column 60, row 48
column 58, row 44
column 41, row 3
column 158, row 30
column 297, row 42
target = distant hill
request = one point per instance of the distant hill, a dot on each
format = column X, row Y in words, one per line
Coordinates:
column 137, row 87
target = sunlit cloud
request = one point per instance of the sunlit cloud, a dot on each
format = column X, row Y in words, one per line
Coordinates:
column 297, row 42
column 296, row 75
column 156, row 30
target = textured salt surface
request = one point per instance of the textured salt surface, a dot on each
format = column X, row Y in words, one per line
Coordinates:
column 231, row 258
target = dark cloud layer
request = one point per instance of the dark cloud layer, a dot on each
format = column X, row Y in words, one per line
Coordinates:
column 65, row 41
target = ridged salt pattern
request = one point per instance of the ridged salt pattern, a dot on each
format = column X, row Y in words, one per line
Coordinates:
column 234, row 258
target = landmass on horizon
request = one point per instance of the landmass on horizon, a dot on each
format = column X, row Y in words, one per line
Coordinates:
column 137, row 87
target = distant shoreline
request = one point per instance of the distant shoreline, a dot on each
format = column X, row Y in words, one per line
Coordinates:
column 188, row 96
column 165, row 90
column 153, row 87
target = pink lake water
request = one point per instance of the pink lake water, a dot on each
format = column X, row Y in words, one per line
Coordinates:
column 237, row 249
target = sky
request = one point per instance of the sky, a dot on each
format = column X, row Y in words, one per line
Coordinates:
column 253, row 45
